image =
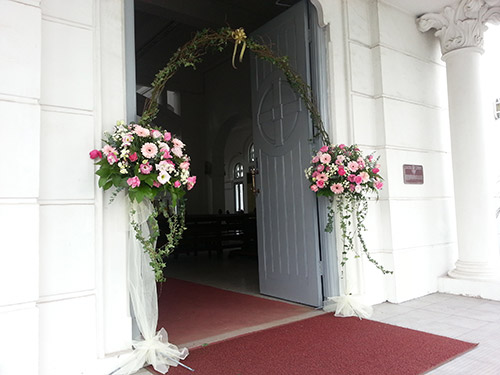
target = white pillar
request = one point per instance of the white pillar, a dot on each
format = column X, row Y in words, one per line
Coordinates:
column 460, row 28
column 476, row 231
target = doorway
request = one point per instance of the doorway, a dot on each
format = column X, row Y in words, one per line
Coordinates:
column 210, row 108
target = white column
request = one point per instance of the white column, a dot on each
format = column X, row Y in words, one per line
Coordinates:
column 460, row 29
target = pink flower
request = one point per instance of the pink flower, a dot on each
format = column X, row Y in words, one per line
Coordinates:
column 177, row 184
column 341, row 171
column 127, row 139
column 156, row 134
column 320, row 168
column 375, row 170
column 133, row 157
column 133, row 182
column 314, row 188
column 358, row 180
column 149, row 150
column 320, row 183
column 112, row 159
column 166, row 154
column 107, row 149
column 337, row 188
column 379, row 184
column 358, row 188
column 146, row 168
column 315, row 159
column 325, row 158
column 341, row 146
column 141, row 132
column 167, row 136
column 370, row 157
column 177, row 143
column 353, row 166
column 340, row 158
column 190, row 182
column 322, row 177
column 365, row 176
column 351, row 187
column 156, row 184
column 94, row 154
column 315, row 174
column 351, row 177
column 324, row 149
column 177, row 151
column 184, row 165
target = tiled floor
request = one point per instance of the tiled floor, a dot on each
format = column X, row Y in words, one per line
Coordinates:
column 464, row 318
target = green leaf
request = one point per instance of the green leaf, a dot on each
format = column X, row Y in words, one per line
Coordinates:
column 107, row 185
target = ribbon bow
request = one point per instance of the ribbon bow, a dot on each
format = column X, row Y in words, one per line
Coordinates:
column 239, row 37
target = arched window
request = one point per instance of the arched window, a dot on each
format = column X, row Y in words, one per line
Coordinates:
column 238, row 171
column 238, row 174
column 251, row 153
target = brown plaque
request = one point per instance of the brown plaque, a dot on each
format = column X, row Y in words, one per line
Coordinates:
column 413, row 174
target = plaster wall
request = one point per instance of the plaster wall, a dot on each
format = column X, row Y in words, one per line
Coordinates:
column 62, row 266
column 395, row 104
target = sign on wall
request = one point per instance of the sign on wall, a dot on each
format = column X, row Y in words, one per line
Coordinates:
column 413, row 174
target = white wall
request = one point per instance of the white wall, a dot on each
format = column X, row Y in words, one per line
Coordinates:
column 64, row 302
column 394, row 101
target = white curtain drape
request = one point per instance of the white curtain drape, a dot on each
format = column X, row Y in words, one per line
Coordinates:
column 153, row 347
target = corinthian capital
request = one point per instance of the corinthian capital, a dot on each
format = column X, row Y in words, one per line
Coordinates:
column 462, row 24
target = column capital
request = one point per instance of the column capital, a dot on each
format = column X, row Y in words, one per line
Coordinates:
column 462, row 24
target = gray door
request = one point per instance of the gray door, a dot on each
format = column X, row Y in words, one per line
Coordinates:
column 287, row 216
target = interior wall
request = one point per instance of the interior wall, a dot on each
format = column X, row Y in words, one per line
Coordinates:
column 396, row 104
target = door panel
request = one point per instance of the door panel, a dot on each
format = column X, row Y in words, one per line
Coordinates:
column 286, row 209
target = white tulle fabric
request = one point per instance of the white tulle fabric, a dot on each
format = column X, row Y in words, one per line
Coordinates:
column 348, row 305
column 154, row 348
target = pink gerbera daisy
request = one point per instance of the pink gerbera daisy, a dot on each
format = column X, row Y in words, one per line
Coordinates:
column 149, row 150
column 337, row 188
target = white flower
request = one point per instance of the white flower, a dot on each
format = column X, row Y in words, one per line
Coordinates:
column 163, row 177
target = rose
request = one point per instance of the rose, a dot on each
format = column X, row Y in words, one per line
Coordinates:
column 177, row 184
column 133, row 182
column 324, row 149
column 379, row 184
column 95, row 154
column 315, row 159
column 341, row 146
column 190, row 182
column 320, row 168
column 358, row 180
column 184, row 165
column 375, row 170
column 133, row 157
column 341, row 171
column 314, row 188
column 351, row 177
column 320, row 183
column 156, row 134
column 365, row 176
column 167, row 136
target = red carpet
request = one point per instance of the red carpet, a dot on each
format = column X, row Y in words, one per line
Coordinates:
column 191, row 312
column 325, row 345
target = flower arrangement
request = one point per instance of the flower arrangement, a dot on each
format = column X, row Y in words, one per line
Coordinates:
column 346, row 177
column 149, row 164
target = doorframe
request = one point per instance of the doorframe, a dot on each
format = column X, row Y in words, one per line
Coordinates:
column 319, row 83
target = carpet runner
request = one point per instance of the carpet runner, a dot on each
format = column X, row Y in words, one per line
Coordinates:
column 326, row 345
column 321, row 345
column 191, row 312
